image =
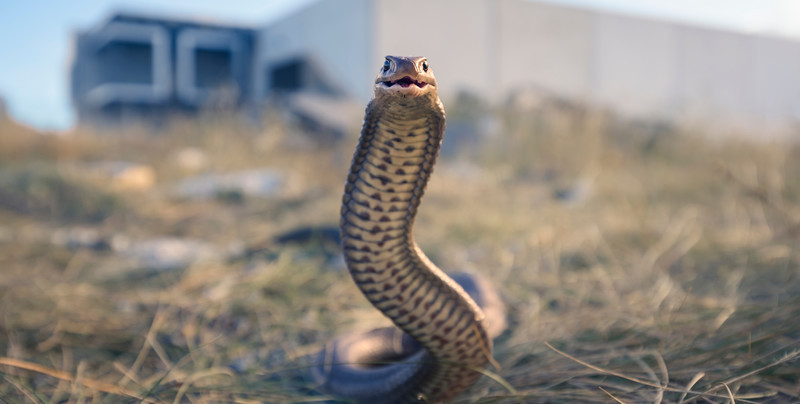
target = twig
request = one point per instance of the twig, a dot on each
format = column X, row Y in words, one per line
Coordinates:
column 730, row 393
column 692, row 382
column 787, row 358
column 611, row 395
column 646, row 383
column 66, row 376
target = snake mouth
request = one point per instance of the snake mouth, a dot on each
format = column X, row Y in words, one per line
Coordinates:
column 405, row 82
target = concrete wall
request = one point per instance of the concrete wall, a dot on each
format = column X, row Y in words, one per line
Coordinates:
column 649, row 68
column 542, row 46
column 332, row 38
column 455, row 36
column 634, row 64
column 493, row 48
column 775, row 74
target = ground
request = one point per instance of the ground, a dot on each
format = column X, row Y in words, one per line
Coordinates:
column 639, row 262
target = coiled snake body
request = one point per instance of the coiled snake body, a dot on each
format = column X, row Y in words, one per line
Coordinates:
column 445, row 340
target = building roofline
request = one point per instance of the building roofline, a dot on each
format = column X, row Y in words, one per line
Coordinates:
column 709, row 27
column 139, row 16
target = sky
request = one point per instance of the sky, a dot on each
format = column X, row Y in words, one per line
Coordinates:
column 35, row 35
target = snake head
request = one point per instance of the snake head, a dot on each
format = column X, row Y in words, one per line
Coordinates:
column 405, row 76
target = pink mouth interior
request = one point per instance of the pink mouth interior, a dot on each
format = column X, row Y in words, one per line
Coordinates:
column 406, row 82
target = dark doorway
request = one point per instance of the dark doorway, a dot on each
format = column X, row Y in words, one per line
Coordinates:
column 287, row 76
column 213, row 68
column 125, row 62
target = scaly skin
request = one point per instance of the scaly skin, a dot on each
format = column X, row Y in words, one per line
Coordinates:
column 391, row 166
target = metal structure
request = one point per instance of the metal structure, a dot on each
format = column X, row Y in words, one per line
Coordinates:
column 133, row 68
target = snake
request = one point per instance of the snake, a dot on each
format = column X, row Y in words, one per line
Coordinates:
column 442, row 339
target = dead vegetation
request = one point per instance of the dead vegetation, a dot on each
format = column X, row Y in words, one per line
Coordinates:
column 640, row 264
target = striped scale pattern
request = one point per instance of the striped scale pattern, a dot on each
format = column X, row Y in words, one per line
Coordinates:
column 391, row 166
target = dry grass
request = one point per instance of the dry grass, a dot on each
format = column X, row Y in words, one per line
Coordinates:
column 640, row 264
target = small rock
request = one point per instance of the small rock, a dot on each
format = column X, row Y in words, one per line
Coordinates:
column 191, row 159
column 127, row 176
column 75, row 238
column 260, row 183
column 576, row 194
column 167, row 253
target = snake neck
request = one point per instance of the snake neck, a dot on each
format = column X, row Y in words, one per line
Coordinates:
column 391, row 167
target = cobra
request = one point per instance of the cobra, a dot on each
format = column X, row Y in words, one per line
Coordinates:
column 446, row 337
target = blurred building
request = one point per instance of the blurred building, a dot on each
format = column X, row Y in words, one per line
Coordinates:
column 495, row 49
column 639, row 67
column 3, row 110
column 135, row 67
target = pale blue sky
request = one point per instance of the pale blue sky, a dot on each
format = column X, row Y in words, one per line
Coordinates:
column 35, row 35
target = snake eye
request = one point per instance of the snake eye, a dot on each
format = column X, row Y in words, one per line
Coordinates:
column 425, row 66
column 386, row 65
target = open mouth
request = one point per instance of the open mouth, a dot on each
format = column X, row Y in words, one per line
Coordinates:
column 405, row 82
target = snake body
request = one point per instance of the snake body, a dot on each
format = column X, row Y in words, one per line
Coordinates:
column 444, row 339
